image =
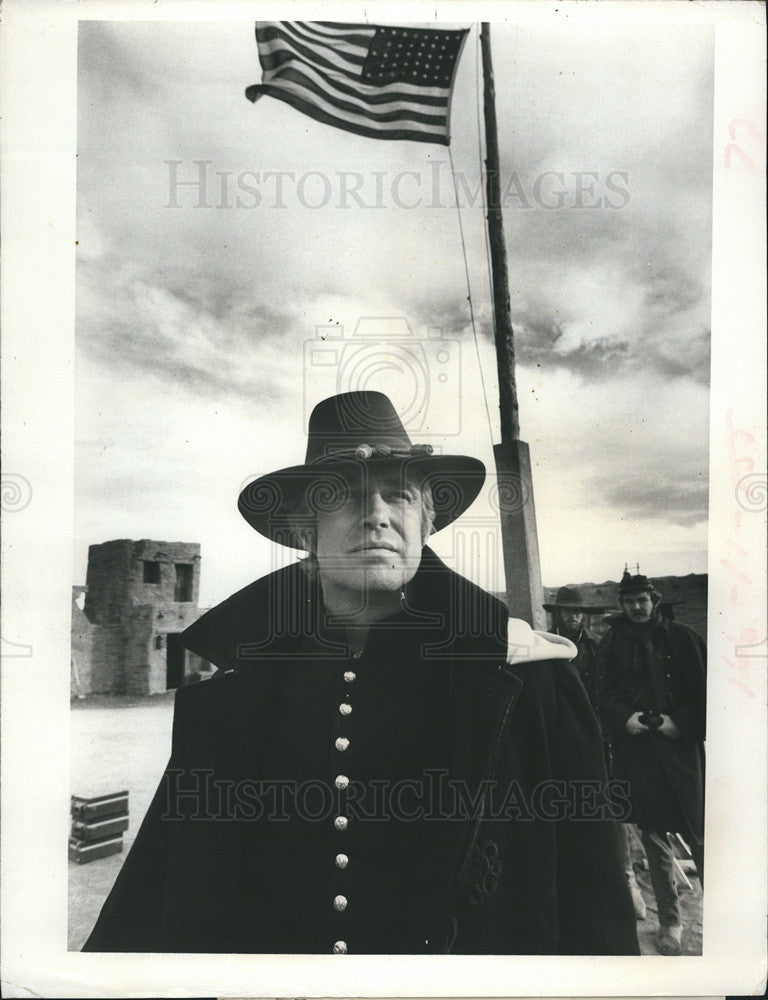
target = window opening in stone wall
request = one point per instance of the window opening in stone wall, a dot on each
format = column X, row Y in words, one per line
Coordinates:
column 151, row 571
column 183, row 589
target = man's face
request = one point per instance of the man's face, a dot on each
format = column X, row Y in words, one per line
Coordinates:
column 638, row 606
column 374, row 540
column 573, row 621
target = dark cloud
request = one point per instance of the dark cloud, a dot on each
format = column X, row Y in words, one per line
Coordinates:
column 183, row 336
column 671, row 291
column 241, row 319
column 691, row 361
column 128, row 351
column 536, row 338
column 684, row 502
column 451, row 315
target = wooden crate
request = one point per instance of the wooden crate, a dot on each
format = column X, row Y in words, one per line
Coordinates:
column 99, row 830
column 99, row 807
column 83, row 851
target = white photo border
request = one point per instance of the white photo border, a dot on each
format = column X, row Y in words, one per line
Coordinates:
column 38, row 84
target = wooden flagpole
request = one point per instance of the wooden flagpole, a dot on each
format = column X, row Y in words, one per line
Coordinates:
column 520, row 544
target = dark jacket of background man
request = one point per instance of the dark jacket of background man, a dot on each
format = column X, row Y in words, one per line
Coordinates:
column 658, row 666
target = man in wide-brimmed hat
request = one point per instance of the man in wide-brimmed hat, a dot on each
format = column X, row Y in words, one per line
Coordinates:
column 654, row 707
column 370, row 770
column 570, row 618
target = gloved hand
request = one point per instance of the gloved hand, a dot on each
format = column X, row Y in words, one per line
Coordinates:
column 634, row 726
column 668, row 728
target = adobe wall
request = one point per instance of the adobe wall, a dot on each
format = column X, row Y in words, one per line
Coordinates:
column 109, row 567
column 130, row 609
column 115, row 578
column 146, row 658
column 137, row 659
column 108, row 660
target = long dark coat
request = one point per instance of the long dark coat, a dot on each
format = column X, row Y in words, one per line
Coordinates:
column 664, row 668
column 585, row 661
column 522, row 880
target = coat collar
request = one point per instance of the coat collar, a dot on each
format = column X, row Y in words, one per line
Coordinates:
column 643, row 631
column 281, row 616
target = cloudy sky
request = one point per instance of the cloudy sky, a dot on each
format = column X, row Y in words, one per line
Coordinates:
column 219, row 241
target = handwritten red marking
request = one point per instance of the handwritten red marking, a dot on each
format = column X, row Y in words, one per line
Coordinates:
column 739, row 548
column 743, row 687
column 749, row 127
column 739, row 669
column 747, row 160
column 753, row 135
column 735, row 570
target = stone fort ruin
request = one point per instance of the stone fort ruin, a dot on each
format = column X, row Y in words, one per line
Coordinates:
column 138, row 597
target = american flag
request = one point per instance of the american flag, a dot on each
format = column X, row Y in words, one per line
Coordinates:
column 382, row 82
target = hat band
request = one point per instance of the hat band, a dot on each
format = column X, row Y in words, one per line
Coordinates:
column 363, row 452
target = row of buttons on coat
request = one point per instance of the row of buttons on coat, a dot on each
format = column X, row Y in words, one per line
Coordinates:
column 341, row 822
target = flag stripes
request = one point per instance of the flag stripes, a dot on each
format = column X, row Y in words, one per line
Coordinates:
column 378, row 95
column 293, row 44
column 354, row 51
column 382, row 82
column 356, row 110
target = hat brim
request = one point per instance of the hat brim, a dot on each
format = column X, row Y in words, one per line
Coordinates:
column 270, row 504
column 579, row 609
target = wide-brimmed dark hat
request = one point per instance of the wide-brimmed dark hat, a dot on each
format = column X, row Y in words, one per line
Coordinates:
column 570, row 599
column 348, row 434
column 630, row 584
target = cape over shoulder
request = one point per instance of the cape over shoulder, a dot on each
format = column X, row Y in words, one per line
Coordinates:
column 255, row 618
column 246, row 617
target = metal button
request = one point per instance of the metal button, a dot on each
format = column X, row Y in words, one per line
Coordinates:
column 349, row 676
column 345, row 708
column 342, row 743
column 340, row 948
column 341, row 822
column 341, row 781
column 342, row 860
column 340, row 903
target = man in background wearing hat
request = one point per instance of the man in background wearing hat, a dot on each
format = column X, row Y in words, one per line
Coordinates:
column 653, row 675
column 371, row 770
column 570, row 619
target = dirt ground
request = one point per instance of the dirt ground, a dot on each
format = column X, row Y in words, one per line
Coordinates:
column 120, row 743
column 690, row 910
column 116, row 743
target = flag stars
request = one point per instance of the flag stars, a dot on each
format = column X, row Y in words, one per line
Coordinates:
column 416, row 56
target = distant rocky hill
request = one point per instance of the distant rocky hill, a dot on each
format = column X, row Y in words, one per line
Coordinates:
column 687, row 596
